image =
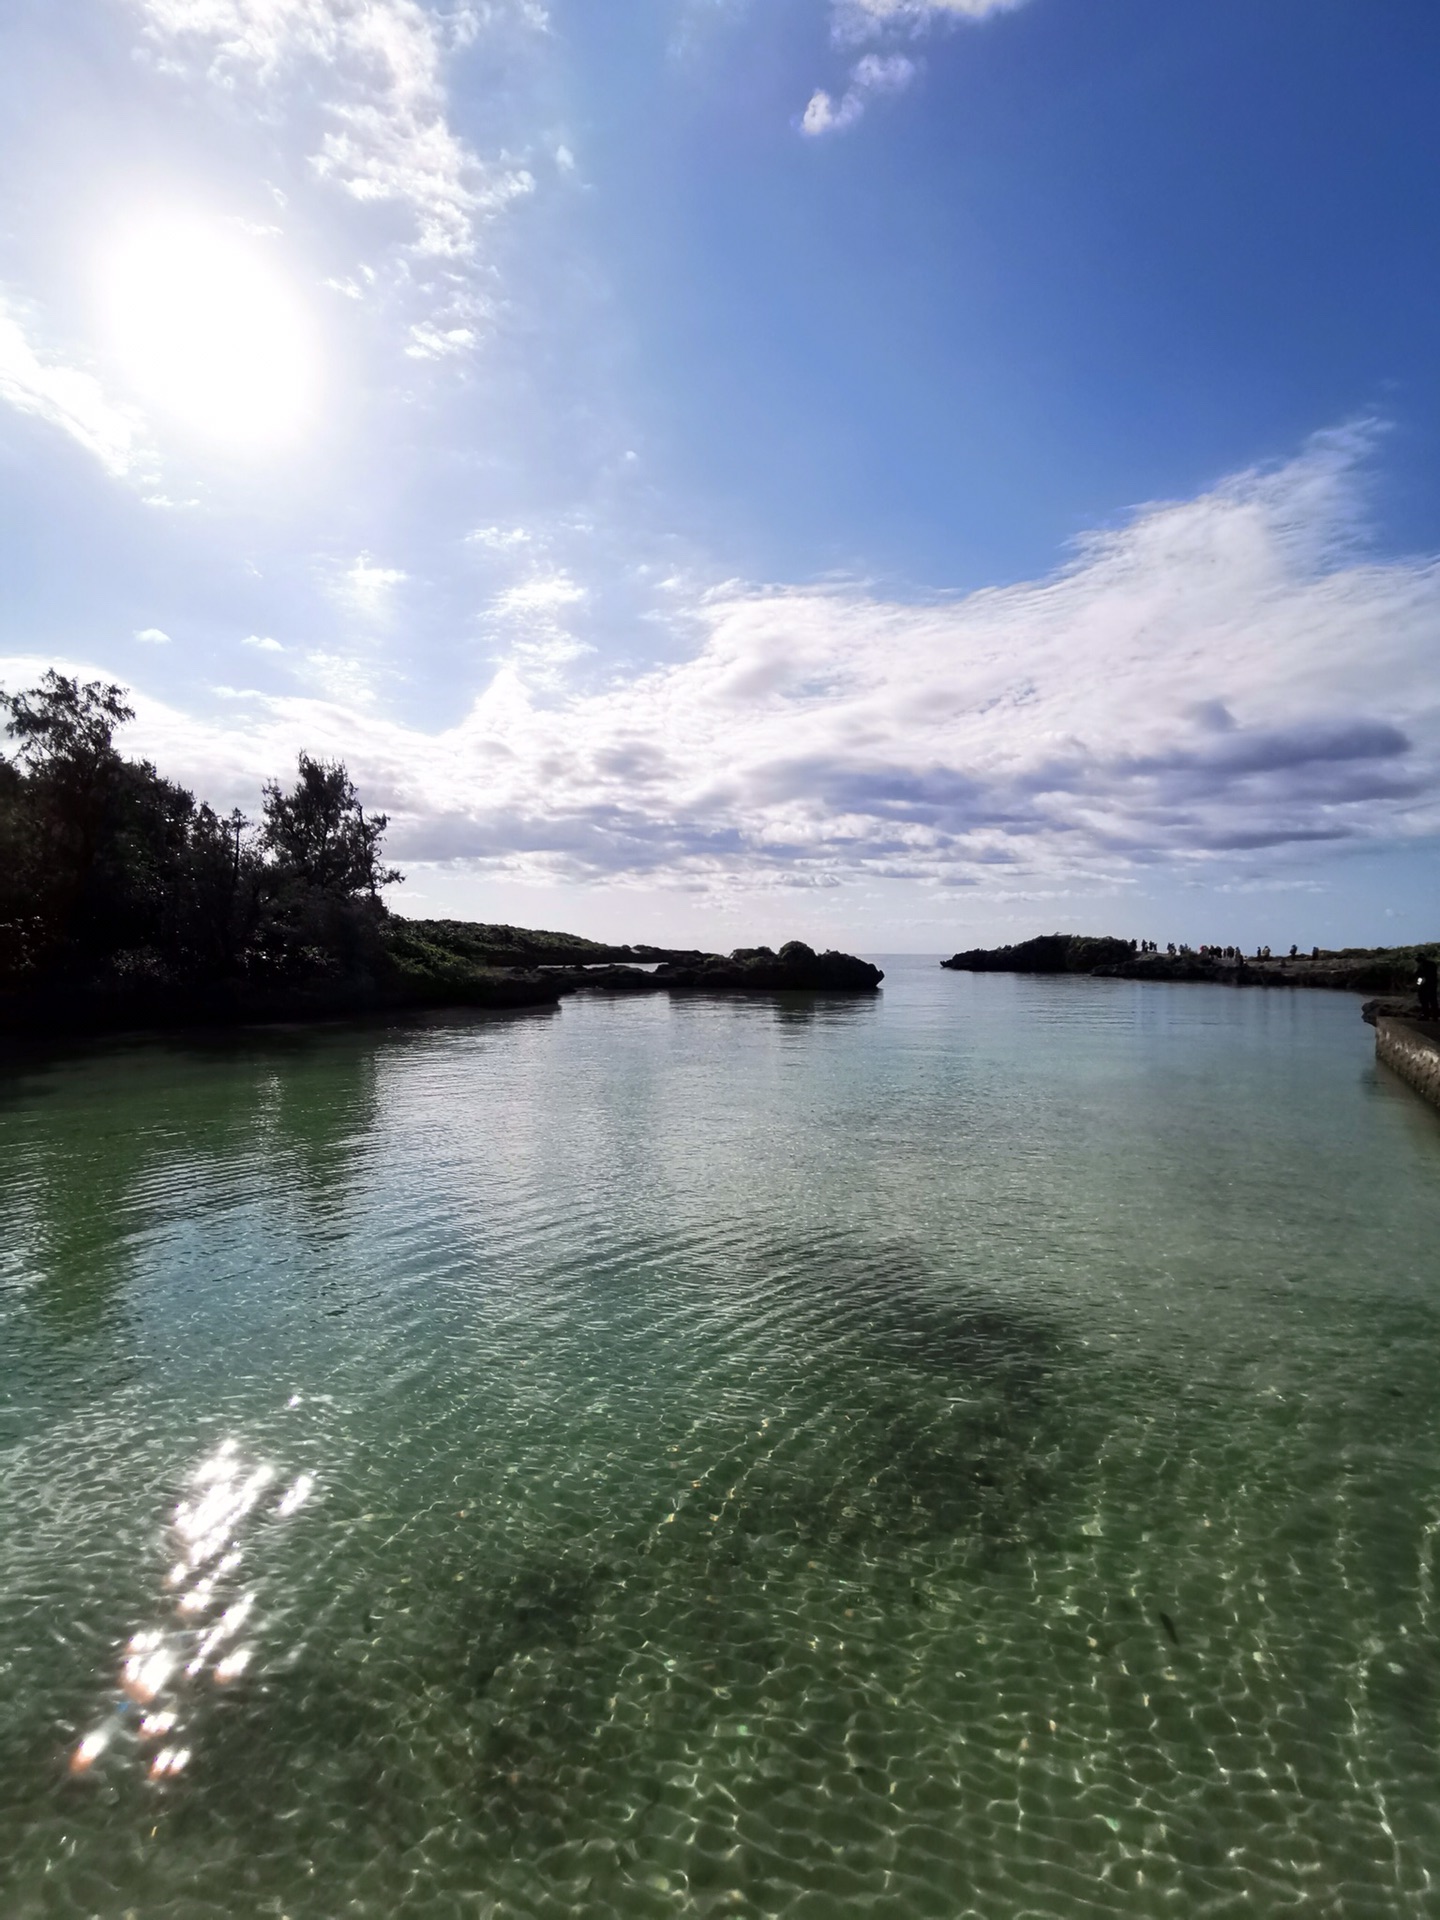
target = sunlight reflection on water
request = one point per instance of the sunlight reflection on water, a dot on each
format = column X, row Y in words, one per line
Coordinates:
column 164, row 1666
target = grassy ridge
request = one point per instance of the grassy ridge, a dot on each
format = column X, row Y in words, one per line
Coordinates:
column 478, row 943
column 462, row 963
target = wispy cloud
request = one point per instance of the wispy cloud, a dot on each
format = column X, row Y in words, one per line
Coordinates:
column 368, row 589
column 542, row 596
column 347, row 683
column 862, row 19
column 387, row 136
column 70, row 399
column 500, row 539
column 854, row 22
column 874, row 73
column 429, row 342
column 1224, row 682
column 531, row 623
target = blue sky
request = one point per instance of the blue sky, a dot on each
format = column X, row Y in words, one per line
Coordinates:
column 892, row 472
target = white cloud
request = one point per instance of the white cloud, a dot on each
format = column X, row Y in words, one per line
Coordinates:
column 543, row 595
column 530, row 621
column 856, row 21
column 434, row 343
column 875, row 73
column 153, row 637
column 499, row 539
column 69, row 399
column 883, row 73
column 263, row 643
column 821, row 114
column 346, row 682
column 1224, row 684
column 389, row 138
column 861, row 19
column 367, row 589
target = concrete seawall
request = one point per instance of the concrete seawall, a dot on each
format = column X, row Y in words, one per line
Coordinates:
column 1412, row 1049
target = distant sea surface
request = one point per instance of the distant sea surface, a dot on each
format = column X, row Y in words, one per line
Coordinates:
column 971, row 1451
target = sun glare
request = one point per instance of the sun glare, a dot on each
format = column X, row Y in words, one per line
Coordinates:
column 209, row 331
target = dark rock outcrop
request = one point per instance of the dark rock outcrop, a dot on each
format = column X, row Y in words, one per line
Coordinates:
column 606, row 979
column 758, row 969
column 796, row 968
column 1047, row 953
column 1374, row 1011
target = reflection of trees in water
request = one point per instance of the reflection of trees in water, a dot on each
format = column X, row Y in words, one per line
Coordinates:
column 320, row 1104
column 103, row 1149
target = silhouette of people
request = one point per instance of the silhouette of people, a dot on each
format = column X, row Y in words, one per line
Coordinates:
column 1427, row 987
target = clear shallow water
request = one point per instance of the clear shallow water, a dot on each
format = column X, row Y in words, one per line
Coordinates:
column 975, row 1451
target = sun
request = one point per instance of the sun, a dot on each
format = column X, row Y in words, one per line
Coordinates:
column 209, row 332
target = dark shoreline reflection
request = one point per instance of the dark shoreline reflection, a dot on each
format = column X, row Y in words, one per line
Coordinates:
column 143, row 1130
column 83, row 1201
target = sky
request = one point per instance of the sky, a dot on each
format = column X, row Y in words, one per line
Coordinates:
column 901, row 474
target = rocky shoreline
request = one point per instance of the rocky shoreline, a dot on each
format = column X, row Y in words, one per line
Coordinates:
column 796, row 968
column 567, row 964
column 1374, row 970
column 430, row 965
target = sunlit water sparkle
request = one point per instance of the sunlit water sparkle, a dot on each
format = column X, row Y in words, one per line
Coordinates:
column 969, row 1452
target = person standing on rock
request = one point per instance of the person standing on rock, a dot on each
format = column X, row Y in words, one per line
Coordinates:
column 1427, row 987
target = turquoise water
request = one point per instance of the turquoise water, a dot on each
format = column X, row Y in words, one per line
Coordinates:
column 973, row 1451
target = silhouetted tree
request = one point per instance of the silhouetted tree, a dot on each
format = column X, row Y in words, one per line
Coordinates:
column 62, row 726
column 62, row 792
column 110, row 873
column 317, row 833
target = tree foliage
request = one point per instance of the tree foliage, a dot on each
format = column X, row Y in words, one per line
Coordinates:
column 318, row 834
column 63, row 728
column 110, row 873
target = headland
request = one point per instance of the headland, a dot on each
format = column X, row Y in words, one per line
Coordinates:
column 127, row 903
column 407, row 966
column 1376, row 970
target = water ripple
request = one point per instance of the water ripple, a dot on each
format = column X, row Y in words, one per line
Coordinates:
column 973, row 1453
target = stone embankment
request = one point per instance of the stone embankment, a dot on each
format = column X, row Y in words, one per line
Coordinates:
column 1407, row 1044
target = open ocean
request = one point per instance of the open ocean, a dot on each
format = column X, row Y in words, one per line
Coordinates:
column 971, row 1451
